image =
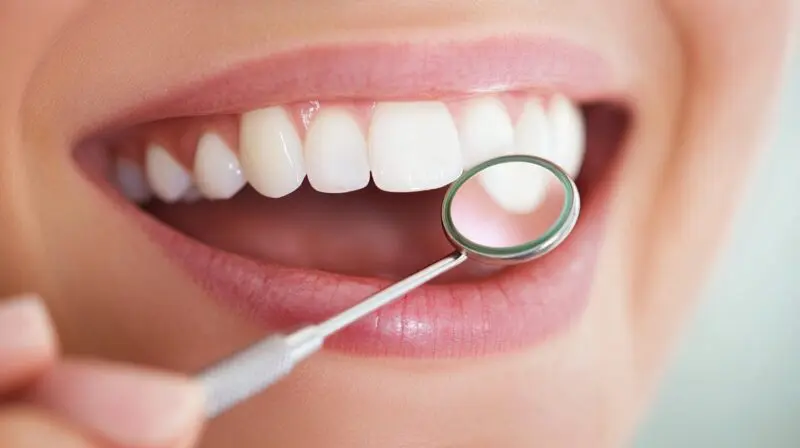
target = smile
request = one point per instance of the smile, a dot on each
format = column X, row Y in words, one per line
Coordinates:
column 292, row 187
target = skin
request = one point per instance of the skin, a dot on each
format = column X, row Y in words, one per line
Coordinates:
column 704, row 92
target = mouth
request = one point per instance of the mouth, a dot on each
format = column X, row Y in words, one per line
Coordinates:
column 293, row 187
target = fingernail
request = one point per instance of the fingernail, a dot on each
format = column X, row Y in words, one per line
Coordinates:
column 26, row 333
column 127, row 406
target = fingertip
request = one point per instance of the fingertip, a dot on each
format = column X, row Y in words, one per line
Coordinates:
column 27, row 340
column 128, row 406
column 26, row 427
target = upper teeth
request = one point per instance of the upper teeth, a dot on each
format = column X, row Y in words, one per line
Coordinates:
column 406, row 146
column 413, row 146
column 336, row 152
column 216, row 168
column 271, row 152
column 167, row 177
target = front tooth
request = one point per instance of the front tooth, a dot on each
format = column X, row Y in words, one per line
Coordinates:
column 413, row 146
column 131, row 181
column 167, row 178
column 514, row 186
column 217, row 171
column 271, row 152
column 485, row 131
column 336, row 153
column 566, row 124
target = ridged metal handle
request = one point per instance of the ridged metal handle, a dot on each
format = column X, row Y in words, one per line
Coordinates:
column 247, row 373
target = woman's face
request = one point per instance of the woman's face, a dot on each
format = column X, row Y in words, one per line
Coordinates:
column 658, row 107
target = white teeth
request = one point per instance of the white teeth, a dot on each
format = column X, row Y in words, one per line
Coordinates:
column 131, row 181
column 168, row 179
column 485, row 131
column 271, row 152
column 413, row 146
column 515, row 187
column 568, row 134
column 336, row 153
column 532, row 133
column 410, row 146
column 217, row 172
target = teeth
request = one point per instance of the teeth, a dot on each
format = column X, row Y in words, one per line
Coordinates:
column 485, row 131
column 532, row 133
column 131, row 181
column 271, row 152
column 217, row 171
column 168, row 179
column 568, row 134
column 336, row 153
column 409, row 146
column 413, row 146
column 515, row 187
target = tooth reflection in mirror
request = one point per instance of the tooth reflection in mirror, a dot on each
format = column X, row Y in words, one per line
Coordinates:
column 511, row 208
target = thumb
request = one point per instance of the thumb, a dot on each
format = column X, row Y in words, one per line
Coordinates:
column 126, row 406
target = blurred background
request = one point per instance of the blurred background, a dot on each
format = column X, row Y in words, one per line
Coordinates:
column 735, row 382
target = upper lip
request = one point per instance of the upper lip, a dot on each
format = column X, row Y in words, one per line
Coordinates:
column 381, row 71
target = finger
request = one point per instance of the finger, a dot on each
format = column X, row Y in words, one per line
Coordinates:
column 24, row 427
column 125, row 406
column 27, row 342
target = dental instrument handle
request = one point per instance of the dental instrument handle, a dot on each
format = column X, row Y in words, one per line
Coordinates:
column 258, row 367
column 391, row 293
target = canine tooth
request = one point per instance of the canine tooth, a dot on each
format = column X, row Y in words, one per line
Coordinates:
column 271, row 152
column 167, row 178
column 485, row 131
column 568, row 134
column 131, row 181
column 515, row 187
column 413, row 146
column 532, row 133
column 336, row 153
column 217, row 171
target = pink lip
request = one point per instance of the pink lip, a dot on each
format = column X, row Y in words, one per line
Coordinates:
column 384, row 71
column 519, row 307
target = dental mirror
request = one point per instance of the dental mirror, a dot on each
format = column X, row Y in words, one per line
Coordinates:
column 510, row 209
column 507, row 210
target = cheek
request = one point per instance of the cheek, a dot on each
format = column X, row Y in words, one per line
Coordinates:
column 27, row 29
column 732, row 78
column 733, row 34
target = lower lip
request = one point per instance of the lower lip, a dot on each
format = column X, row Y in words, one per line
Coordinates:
column 517, row 308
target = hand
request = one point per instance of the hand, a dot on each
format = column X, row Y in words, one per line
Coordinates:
column 49, row 401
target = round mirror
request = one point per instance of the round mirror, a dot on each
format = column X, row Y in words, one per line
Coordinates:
column 510, row 209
